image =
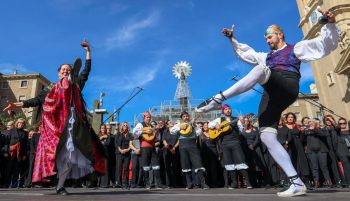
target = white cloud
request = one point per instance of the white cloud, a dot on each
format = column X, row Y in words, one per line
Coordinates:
column 127, row 34
column 10, row 68
column 118, row 83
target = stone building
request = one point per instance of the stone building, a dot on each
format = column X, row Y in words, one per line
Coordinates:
column 19, row 87
column 331, row 73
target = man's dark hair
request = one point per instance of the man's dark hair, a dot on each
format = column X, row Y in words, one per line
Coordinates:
column 183, row 113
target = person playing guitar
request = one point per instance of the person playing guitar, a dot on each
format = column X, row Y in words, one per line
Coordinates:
column 189, row 153
column 232, row 153
column 149, row 158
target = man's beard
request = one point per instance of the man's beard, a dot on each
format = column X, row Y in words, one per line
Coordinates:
column 273, row 46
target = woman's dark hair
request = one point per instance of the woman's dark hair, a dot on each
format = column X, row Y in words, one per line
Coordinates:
column 342, row 119
column 302, row 120
column 59, row 68
column 326, row 116
column 294, row 116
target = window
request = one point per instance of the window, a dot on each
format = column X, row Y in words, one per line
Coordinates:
column 21, row 98
column 330, row 78
column 3, row 99
column 24, row 84
column 4, row 85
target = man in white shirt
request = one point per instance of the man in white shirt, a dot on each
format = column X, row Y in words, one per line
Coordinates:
column 278, row 72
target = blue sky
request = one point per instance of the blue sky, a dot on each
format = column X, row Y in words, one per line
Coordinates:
column 137, row 42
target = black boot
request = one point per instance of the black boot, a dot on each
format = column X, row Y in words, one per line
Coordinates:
column 158, row 181
column 233, row 176
column 189, row 184
column 226, row 174
column 61, row 191
column 147, row 182
column 246, row 178
column 201, row 177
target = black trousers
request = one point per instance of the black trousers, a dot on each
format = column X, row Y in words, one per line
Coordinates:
column 334, row 166
column 104, row 179
column 30, row 170
column 111, row 163
column 150, row 161
column 256, row 164
column 279, row 92
column 125, row 160
column 210, row 162
column 232, row 153
column 118, row 169
column 149, row 157
column 344, row 159
column 171, row 165
column 13, row 167
column 190, row 158
column 136, row 170
column 271, row 166
column 318, row 160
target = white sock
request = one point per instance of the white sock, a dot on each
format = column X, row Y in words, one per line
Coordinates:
column 259, row 74
column 278, row 153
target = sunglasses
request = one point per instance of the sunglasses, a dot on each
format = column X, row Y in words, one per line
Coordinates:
column 342, row 123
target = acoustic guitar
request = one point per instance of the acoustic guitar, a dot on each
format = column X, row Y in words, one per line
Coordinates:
column 225, row 127
column 146, row 136
column 187, row 132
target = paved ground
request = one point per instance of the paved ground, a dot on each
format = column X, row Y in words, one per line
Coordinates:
column 168, row 195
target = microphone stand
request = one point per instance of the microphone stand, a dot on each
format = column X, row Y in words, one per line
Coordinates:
column 132, row 95
column 319, row 105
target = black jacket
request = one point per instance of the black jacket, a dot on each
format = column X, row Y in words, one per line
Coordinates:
column 315, row 141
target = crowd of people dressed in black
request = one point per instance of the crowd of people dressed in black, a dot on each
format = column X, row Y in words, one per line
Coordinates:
column 319, row 150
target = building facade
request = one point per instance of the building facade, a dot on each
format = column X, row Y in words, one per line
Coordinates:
column 19, row 87
column 306, row 105
column 332, row 73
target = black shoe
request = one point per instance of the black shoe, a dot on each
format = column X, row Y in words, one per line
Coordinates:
column 61, row 191
column 161, row 186
column 205, row 186
column 126, row 187
column 233, row 185
column 189, row 186
column 117, row 185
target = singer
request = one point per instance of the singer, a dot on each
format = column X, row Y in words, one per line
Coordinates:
column 278, row 72
column 67, row 142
